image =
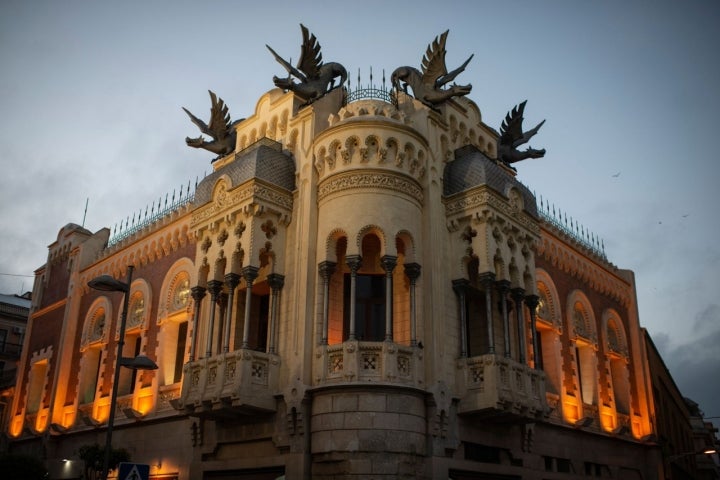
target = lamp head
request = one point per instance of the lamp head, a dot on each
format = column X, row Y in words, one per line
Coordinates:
column 141, row 362
column 106, row 283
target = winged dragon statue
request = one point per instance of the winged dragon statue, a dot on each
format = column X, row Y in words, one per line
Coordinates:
column 221, row 129
column 428, row 85
column 316, row 78
column 512, row 136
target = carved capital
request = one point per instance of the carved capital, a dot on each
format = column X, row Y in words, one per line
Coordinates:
column 198, row 293
column 460, row 286
column 276, row 281
column 354, row 262
column 214, row 287
column 532, row 302
column 232, row 280
column 250, row 273
column 518, row 294
column 326, row 269
column 503, row 286
column 388, row 263
column 412, row 270
column 487, row 279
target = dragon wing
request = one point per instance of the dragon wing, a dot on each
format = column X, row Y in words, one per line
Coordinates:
column 200, row 124
column 310, row 56
column 290, row 69
column 511, row 128
column 451, row 76
column 219, row 118
column 433, row 63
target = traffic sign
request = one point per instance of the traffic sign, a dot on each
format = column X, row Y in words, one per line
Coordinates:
column 133, row 471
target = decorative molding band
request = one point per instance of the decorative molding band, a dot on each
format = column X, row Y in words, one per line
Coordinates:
column 364, row 179
column 482, row 196
column 253, row 190
column 566, row 258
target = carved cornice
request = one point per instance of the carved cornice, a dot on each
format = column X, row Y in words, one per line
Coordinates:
column 463, row 203
column 138, row 250
column 364, row 179
column 250, row 192
column 566, row 258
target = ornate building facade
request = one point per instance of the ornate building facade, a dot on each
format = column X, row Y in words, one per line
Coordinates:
column 359, row 289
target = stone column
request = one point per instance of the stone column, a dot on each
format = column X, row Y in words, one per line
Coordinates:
column 231, row 281
column 503, row 287
column 222, row 302
column 214, row 287
column 197, row 293
column 326, row 269
column 354, row 262
column 388, row 263
column 412, row 270
column 518, row 294
column 460, row 287
column 532, row 302
column 249, row 274
column 276, row 282
column 487, row 279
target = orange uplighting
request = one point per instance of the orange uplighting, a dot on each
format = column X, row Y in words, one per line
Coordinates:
column 145, row 401
column 16, row 426
column 41, row 423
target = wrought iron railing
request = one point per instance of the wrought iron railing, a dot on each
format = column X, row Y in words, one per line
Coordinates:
column 571, row 227
column 153, row 213
column 370, row 91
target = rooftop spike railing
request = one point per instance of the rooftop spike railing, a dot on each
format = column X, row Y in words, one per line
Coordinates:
column 152, row 213
column 571, row 227
column 370, row 91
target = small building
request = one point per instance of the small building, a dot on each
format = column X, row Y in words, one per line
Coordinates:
column 14, row 313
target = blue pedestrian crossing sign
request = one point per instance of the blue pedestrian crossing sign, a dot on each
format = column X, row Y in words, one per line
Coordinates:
column 133, row 471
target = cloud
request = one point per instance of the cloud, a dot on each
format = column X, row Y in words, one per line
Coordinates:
column 695, row 364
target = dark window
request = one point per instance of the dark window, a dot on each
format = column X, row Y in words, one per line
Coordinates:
column 478, row 343
column 481, row 453
column 563, row 465
column 369, row 307
column 180, row 352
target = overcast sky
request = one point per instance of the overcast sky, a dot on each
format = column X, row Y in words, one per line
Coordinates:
column 90, row 97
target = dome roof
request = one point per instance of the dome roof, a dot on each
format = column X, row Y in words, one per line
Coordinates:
column 263, row 160
column 472, row 168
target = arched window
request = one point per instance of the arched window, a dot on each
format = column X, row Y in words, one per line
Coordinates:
column 174, row 312
column 618, row 358
column 134, row 324
column 92, row 349
column 549, row 327
column 369, row 294
column 584, row 335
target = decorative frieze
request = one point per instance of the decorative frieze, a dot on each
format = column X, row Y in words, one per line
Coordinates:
column 364, row 179
column 257, row 191
column 464, row 203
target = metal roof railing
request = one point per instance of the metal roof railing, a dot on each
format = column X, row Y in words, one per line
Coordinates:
column 571, row 228
column 153, row 213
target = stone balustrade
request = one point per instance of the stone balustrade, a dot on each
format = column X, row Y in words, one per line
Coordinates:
column 356, row 361
column 496, row 386
column 242, row 382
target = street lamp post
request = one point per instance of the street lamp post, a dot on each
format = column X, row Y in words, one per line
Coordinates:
column 141, row 362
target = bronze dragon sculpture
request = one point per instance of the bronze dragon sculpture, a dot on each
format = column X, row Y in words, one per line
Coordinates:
column 428, row 85
column 316, row 78
column 512, row 136
column 221, row 129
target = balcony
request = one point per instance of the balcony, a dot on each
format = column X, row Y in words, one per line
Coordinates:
column 501, row 389
column 380, row 362
column 233, row 384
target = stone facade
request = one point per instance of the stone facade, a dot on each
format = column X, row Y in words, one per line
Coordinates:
column 360, row 290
